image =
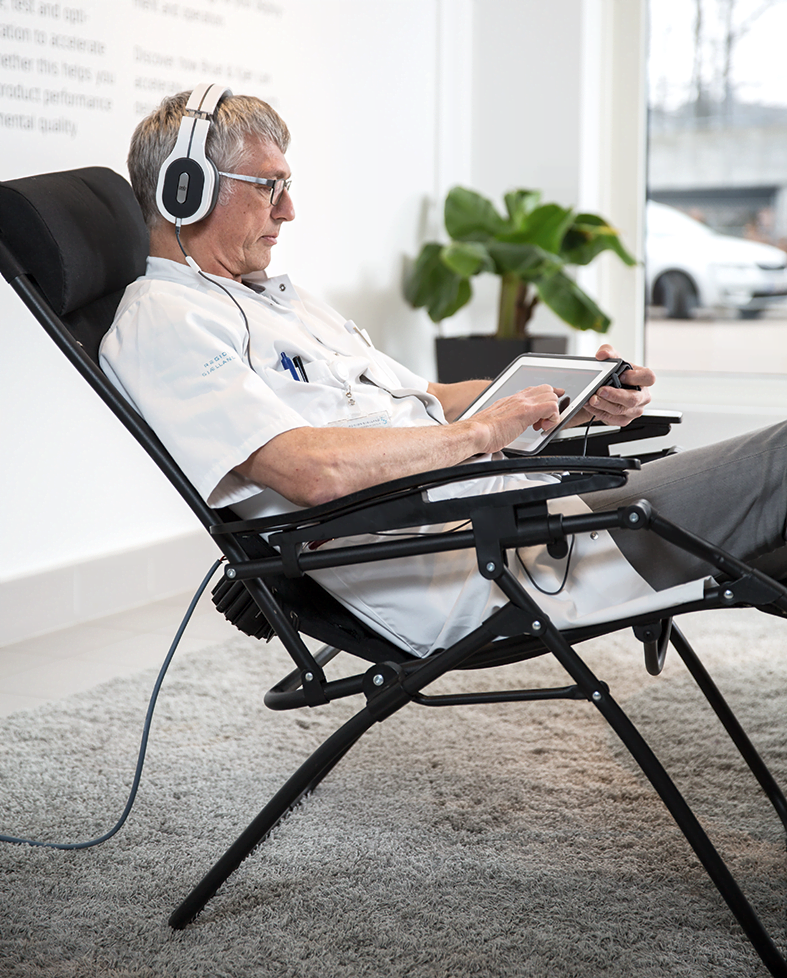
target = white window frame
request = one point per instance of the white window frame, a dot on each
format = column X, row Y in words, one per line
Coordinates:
column 613, row 158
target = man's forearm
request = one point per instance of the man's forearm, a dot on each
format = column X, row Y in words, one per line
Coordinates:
column 310, row 466
column 314, row 465
column 454, row 398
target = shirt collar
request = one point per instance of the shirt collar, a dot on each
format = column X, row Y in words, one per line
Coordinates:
column 278, row 289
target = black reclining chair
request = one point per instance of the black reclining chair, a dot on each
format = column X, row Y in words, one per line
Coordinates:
column 70, row 242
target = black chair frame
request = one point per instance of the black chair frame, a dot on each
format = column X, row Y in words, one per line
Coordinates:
column 265, row 591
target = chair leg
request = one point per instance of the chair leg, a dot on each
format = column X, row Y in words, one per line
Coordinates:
column 675, row 803
column 696, row 836
column 730, row 722
column 598, row 693
column 305, row 779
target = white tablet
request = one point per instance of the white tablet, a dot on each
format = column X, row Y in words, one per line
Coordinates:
column 579, row 377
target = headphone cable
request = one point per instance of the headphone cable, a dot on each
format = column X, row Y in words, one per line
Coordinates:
column 192, row 264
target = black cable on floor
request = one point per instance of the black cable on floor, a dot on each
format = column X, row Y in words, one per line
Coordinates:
column 145, row 732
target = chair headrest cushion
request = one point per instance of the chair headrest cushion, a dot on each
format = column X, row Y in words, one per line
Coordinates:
column 79, row 233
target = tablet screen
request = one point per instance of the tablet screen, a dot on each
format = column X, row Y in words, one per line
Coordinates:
column 579, row 377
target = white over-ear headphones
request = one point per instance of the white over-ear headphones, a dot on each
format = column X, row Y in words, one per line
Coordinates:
column 188, row 182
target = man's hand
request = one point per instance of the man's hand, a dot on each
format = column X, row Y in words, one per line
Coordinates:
column 506, row 419
column 614, row 405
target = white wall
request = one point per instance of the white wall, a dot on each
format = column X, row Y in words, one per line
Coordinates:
column 390, row 102
column 356, row 82
column 558, row 97
column 526, row 104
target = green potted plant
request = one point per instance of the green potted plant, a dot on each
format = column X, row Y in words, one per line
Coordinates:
column 528, row 249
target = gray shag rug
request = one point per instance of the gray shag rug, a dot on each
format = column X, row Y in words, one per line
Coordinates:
column 510, row 840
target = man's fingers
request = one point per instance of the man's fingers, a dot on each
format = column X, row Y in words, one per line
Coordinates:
column 636, row 377
column 606, row 352
column 615, row 406
column 618, row 397
column 639, row 377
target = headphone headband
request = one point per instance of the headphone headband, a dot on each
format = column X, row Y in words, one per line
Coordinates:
column 188, row 182
column 204, row 100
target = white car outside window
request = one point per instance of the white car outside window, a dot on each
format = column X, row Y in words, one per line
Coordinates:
column 690, row 266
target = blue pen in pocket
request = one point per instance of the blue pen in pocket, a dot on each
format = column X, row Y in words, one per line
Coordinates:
column 289, row 365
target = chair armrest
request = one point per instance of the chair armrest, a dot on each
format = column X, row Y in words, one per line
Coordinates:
column 490, row 523
column 403, row 502
column 651, row 424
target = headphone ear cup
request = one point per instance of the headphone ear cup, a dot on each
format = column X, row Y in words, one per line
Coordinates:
column 188, row 183
column 181, row 190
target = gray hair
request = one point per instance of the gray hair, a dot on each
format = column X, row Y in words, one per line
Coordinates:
column 237, row 119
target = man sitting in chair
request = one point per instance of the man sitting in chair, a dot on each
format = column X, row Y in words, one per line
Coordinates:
column 270, row 400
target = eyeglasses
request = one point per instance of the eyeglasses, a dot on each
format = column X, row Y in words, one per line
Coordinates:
column 278, row 186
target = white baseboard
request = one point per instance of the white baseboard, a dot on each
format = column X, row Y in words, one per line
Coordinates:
column 55, row 599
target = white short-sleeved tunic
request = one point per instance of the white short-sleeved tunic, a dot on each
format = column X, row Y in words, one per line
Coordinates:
column 215, row 388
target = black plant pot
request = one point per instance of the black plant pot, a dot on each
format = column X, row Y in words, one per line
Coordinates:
column 469, row 357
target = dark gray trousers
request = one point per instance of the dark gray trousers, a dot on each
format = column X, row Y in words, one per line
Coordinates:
column 733, row 494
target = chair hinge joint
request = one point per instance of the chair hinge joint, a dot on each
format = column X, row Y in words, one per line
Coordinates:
column 383, row 689
column 312, row 685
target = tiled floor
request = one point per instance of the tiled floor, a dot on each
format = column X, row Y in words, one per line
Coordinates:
column 53, row 666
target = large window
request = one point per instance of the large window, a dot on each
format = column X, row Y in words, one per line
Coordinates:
column 716, row 225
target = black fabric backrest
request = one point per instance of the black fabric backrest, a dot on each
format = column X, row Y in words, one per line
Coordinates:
column 81, row 236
